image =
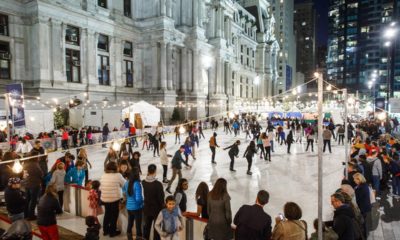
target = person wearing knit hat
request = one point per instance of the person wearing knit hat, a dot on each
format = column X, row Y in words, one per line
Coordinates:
column 15, row 199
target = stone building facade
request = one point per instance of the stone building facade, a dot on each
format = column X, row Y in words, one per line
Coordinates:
column 203, row 56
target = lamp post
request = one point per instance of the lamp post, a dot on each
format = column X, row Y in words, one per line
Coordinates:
column 320, row 142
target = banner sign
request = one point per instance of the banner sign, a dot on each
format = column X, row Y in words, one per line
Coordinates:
column 16, row 101
column 289, row 77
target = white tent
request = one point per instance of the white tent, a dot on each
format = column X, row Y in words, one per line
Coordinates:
column 93, row 116
column 38, row 117
column 150, row 114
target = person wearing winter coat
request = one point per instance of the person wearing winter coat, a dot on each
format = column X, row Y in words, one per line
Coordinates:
column 164, row 160
column 289, row 140
column 47, row 209
column 15, row 199
column 176, row 163
column 153, row 200
column 219, row 212
column 134, row 204
column 376, row 171
column 32, row 184
column 76, row 175
column 248, row 154
column 290, row 227
column 363, row 199
column 233, row 152
column 111, row 184
column 58, row 179
column 24, row 147
column 343, row 218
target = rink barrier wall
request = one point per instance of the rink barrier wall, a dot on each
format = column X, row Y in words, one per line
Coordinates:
column 76, row 202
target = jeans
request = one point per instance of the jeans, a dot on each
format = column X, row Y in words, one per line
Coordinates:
column 110, row 217
column 232, row 161
column 249, row 162
column 177, row 137
column 105, row 137
column 327, row 142
column 16, row 217
column 396, row 185
column 262, row 153
column 174, row 173
column 310, row 142
column 375, row 184
column 61, row 198
column 132, row 216
column 272, row 145
column 288, row 147
column 341, row 139
column 32, row 195
column 148, row 221
column 64, row 144
column 165, row 170
column 268, row 153
column 213, row 154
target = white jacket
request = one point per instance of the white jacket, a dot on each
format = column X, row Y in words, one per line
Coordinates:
column 164, row 156
column 24, row 148
column 111, row 187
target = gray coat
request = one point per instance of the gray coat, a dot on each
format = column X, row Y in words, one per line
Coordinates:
column 58, row 179
column 376, row 167
column 220, row 218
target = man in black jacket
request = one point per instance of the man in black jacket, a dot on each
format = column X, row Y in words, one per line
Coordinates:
column 105, row 133
column 233, row 152
column 252, row 223
column 153, row 200
column 15, row 199
column 343, row 219
column 32, row 185
column 176, row 163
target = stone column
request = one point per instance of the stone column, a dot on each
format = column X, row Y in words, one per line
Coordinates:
column 84, row 56
column 163, row 7
column 117, row 68
column 196, row 12
column 163, row 66
column 184, row 64
column 169, row 66
column 196, row 71
column 218, row 75
column 189, row 85
column 169, row 8
column 91, row 56
column 218, row 23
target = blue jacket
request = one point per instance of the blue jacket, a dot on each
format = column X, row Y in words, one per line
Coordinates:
column 135, row 201
column 75, row 176
column 362, row 197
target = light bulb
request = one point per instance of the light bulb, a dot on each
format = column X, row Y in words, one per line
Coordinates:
column 182, row 130
column 116, row 146
column 17, row 167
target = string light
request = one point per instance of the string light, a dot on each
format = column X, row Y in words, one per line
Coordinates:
column 182, row 130
column 116, row 146
column 17, row 167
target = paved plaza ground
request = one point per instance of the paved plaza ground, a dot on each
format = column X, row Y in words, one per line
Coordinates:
column 289, row 177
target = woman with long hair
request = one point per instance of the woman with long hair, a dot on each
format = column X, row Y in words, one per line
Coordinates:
column 180, row 195
column 219, row 212
column 201, row 200
column 112, row 156
column 248, row 154
column 82, row 156
column 260, row 145
column 134, row 203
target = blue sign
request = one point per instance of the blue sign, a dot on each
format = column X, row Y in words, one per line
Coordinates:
column 16, row 102
column 289, row 73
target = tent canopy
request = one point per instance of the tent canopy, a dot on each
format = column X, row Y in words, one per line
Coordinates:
column 149, row 114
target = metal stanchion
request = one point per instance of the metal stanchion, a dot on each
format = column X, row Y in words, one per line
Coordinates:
column 320, row 146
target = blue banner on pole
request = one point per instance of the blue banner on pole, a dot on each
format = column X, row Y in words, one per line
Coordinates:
column 289, row 77
column 16, row 101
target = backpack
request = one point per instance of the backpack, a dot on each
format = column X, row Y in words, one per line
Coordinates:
column 368, row 170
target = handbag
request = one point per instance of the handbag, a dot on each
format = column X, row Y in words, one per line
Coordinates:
column 371, row 195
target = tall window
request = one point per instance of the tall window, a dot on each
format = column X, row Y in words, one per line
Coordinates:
column 127, row 8
column 102, row 3
column 4, row 25
column 102, row 43
column 128, row 49
column 233, row 88
column 73, row 65
column 5, row 57
column 72, row 35
column 128, row 70
column 103, row 69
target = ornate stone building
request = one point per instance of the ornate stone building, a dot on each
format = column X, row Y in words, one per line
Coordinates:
column 203, row 55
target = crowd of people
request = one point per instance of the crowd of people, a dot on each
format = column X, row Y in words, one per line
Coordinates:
column 37, row 193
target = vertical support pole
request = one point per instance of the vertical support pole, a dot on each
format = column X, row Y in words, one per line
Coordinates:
column 346, row 134
column 320, row 142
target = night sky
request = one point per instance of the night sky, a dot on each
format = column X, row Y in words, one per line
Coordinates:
column 321, row 7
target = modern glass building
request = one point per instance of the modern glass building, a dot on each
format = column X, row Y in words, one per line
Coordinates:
column 358, row 57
